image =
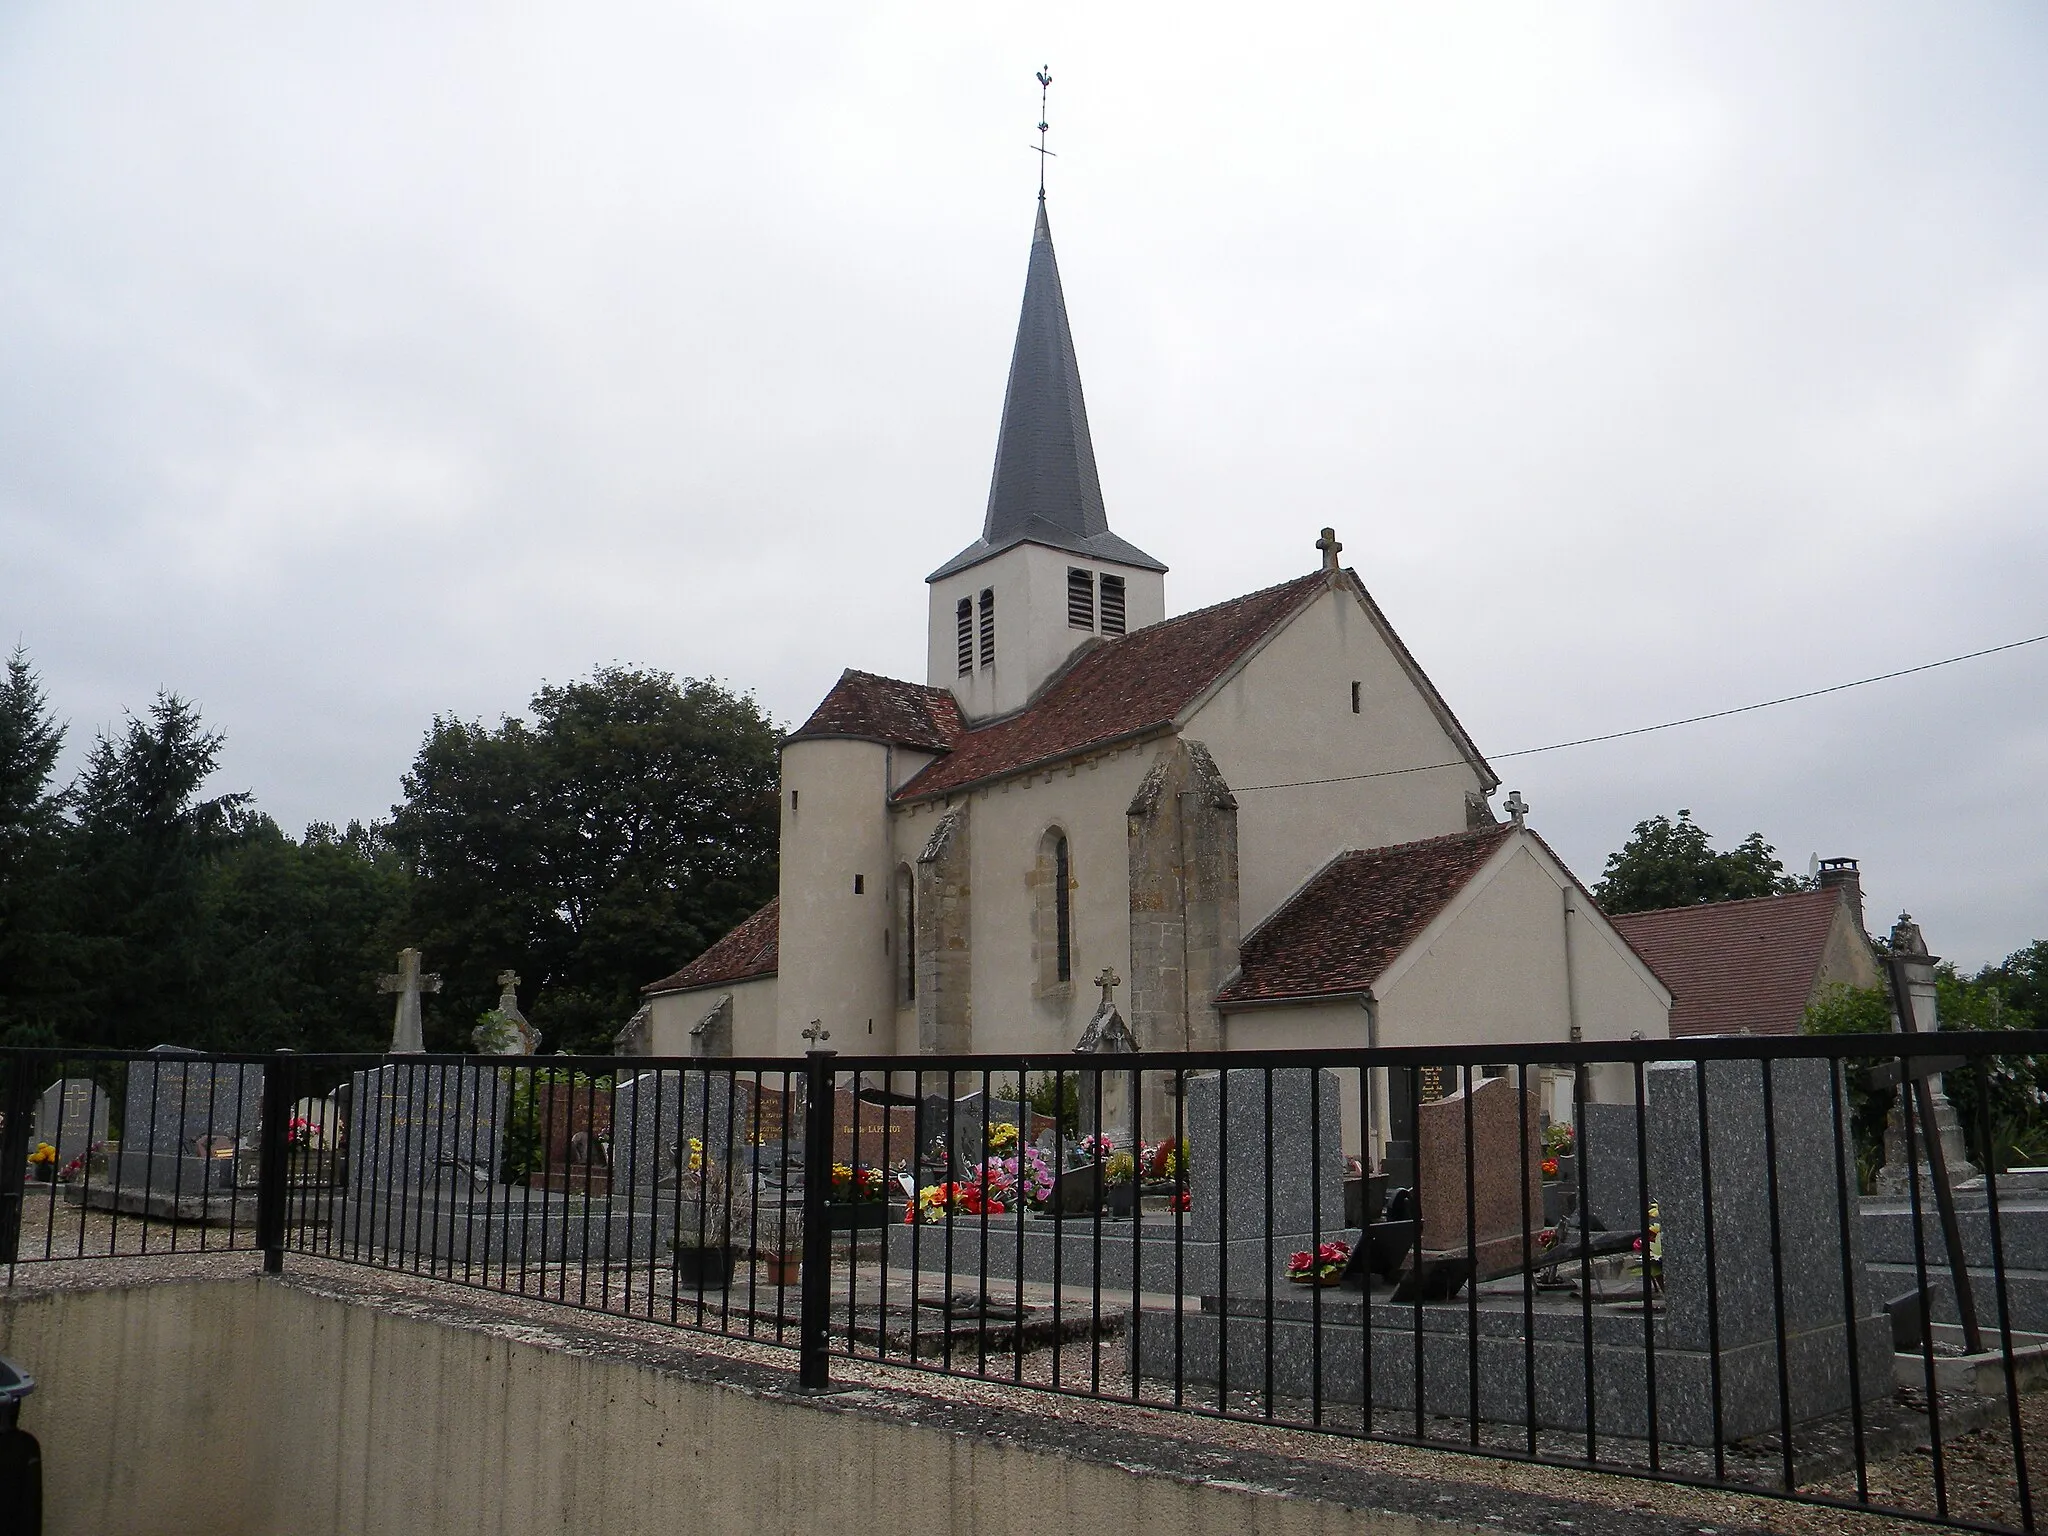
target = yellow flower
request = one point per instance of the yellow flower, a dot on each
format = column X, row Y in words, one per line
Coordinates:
column 1001, row 1136
column 44, row 1153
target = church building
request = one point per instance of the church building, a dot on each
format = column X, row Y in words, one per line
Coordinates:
column 1260, row 819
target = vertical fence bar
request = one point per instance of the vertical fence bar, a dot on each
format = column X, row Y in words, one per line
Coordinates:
column 1777, row 1273
column 2012, row 1391
column 1838, row 1069
column 21, row 1101
column 273, row 1163
column 814, row 1341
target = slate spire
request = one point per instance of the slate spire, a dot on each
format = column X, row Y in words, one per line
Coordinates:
column 1044, row 489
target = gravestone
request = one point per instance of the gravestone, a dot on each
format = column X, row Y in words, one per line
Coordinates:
column 421, row 1125
column 1606, row 1138
column 1504, row 1167
column 184, row 1119
column 654, row 1115
column 71, row 1116
column 324, row 1116
column 1228, row 1175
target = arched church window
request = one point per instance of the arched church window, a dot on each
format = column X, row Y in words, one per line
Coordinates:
column 963, row 619
column 988, row 626
column 1063, row 911
column 1052, row 917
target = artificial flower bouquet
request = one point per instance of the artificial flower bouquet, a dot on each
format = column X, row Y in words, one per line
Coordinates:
column 1323, row 1267
column 855, row 1183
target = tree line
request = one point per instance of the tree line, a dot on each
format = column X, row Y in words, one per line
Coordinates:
column 598, row 844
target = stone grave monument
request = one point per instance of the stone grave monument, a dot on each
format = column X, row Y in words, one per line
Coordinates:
column 189, row 1137
column 71, row 1115
column 1227, row 1173
column 1504, row 1166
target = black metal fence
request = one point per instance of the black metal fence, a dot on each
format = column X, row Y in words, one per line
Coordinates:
column 1713, row 1261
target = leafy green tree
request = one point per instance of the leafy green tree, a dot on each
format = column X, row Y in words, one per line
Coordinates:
column 616, row 836
column 1668, row 863
column 296, row 934
column 39, row 998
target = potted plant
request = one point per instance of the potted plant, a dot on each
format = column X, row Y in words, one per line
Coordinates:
column 1120, row 1175
column 42, row 1163
column 702, row 1243
column 857, row 1198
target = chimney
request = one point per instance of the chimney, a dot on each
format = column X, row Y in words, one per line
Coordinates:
column 1842, row 875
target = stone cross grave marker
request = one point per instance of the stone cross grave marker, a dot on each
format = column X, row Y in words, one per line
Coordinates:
column 183, row 1120
column 71, row 1116
column 1499, row 1155
column 511, row 1034
column 407, row 1036
column 1303, row 1131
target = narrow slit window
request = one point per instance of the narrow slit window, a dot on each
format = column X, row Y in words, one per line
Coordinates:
column 1354, row 698
column 792, row 802
column 988, row 626
column 1112, row 605
column 1080, row 598
column 860, row 885
column 1063, row 913
column 963, row 620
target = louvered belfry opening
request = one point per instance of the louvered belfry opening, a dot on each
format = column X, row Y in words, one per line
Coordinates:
column 964, row 620
column 988, row 626
column 1112, row 604
column 1080, row 598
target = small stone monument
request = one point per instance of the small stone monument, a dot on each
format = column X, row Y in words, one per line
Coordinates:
column 1113, row 1093
column 71, row 1116
column 505, row 1030
column 407, row 1036
column 1915, row 968
column 1237, row 1132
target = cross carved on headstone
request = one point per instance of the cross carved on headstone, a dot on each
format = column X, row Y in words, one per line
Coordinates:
column 1517, row 807
column 1330, row 547
column 408, row 983
column 1109, row 981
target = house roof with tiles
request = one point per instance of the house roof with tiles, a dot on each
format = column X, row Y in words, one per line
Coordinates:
column 745, row 954
column 1737, row 967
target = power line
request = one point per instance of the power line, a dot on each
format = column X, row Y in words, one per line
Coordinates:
column 1644, row 730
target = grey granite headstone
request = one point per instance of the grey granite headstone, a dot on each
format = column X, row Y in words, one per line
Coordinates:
column 413, row 1124
column 1605, row 1140
column 655, row 1115
column 1228, row 1181
column 71, row 1116
column 1812, row 1176
column 176, row 1101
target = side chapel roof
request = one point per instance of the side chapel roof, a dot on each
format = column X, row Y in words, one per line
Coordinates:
column 1737, row 967
column 1353, row 919
column 745, row 953
column 1044, row 489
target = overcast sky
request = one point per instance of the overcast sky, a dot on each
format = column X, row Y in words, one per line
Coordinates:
column 362, row 362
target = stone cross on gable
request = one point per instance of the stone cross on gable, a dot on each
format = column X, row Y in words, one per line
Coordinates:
column 1517, row 807
column 1330, row 547
column 406, row 1032
column 817, row 1034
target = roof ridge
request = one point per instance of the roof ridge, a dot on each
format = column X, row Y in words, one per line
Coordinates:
column 1732, row 901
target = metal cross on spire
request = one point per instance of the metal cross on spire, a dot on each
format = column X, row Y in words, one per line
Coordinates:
column 1044, row 85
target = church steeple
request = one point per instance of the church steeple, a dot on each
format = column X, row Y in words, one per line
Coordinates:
column 1044, row 489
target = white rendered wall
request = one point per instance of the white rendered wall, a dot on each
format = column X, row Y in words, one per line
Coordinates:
column 675, row 1014
column 1286, row 717
column 1033, row 637
column 833, row 958
column 1007, row 821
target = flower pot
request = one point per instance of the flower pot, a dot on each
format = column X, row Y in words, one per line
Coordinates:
column 1122, row 1199
column 708, row 1269
column 44, row 1173
column 1322, row 1280
column 783, row 1269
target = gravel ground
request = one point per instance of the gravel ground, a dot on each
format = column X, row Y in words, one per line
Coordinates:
column 1979, row 1467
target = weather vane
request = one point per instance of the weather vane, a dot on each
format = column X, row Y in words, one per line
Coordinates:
column 1044, row 85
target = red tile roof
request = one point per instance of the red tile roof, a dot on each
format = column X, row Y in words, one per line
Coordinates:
column 747, row 952
column 875, row 708
column 1118, row 688
column 1355, row 917
column 1736, row 967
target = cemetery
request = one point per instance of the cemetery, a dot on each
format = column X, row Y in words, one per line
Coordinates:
column 1694, row 1277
